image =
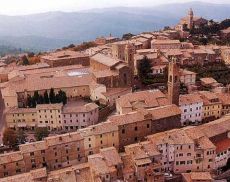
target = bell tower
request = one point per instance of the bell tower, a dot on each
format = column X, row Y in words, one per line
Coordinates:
column 190, row 19
column 129, row 56
column 173, row 81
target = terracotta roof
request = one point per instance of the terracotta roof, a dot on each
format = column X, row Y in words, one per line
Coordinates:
column 222, row 145
column 46, row 83
column 224, row 98
column 105, row 73
column 75, row 173
column 216, row 127
column 208, row 97
column 79, row 108
column 49, row 106
column 101, row 128
column 114, row 91
column 105, row 60
column 176, row 136
column 197, row 176
column 140, row 115
column 184, row 72
column 150, row 99
column 32, row 147
column 168, row 41
column 128, row 164
column 205, row 143
column 99, row 165
column 32, row 176
column 16, row 110
column 208, row 80
column 59, row 55
column 111, row 156
column 189, row 99
column 63, row 139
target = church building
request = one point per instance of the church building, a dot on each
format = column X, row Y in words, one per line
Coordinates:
column 190, row 21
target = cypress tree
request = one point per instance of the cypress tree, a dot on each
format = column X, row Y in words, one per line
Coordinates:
column 52, row 96
column 46, row 98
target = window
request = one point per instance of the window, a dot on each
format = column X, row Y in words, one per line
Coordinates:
column 31, row 153
column 147, row 125
column 123, row 131
column 135, row 128
column 18, row 170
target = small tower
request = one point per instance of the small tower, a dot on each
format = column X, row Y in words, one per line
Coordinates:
column 190, row 19
column 173, row 81
column 129, row 56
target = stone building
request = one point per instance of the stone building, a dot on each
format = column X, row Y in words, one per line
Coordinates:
column 191, row 106
column 76, row 116
column 111, row 72
column 165, row 44
column 63, row 58
column 70, row 117
column 212, row 106
column 133, row 127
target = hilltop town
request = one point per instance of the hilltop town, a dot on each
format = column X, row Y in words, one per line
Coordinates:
column 151, row 107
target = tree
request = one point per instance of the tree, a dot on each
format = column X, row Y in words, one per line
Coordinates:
column 21, row 137
column 25, row 60
column 61, row 97
column 33, row 102
column 52, row 96
column 127, row 36
column 31, row 54
column 71, row 46
column 46, row 98
column 10, row 138
column 64, row 98
column 29, row 101
column 40, row 99
column 144, row 69
column 41, row 133
column 36, row 96
column 204, row 41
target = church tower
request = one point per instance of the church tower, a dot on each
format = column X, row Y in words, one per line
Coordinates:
column 190, row 19
column 173, row 81
column 129, row 56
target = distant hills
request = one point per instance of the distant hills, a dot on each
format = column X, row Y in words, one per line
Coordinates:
column 56, row 29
